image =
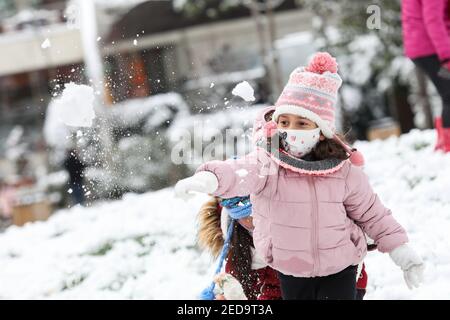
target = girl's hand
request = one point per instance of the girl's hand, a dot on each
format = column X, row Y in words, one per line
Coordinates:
column 219, row 279
column 232, row 289
column 203, row 181
column 411, row 264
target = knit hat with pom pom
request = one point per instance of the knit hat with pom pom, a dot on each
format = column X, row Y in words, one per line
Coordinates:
column 311, row 93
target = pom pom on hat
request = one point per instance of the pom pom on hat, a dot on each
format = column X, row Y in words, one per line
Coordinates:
column 322, row 62
column 356, row 158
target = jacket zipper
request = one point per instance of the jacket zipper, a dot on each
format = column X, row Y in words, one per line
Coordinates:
column 314, row 235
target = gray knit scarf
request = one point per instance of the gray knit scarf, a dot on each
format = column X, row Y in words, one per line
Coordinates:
column 307, row 163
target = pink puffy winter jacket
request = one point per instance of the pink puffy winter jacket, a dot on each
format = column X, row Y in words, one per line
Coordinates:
column 305, row 212
column 426, row 28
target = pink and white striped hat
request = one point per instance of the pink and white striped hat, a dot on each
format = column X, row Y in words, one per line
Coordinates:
column 311, row 92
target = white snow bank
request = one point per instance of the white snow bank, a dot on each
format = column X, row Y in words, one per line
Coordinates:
column 142, row 247
column 210, row 124
column 154, row 110
column 231, row 126
column 414, row 182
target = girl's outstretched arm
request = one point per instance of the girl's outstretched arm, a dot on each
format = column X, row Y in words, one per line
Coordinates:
column 240, row 177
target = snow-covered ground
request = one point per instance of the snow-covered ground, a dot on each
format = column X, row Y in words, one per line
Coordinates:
column 143, row 247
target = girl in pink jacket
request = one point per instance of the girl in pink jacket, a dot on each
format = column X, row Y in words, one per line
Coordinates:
column 426, row 37
column 311, row 203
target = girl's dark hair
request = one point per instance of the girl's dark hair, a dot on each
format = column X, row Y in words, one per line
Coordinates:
column 330, row 148
column 240, row 258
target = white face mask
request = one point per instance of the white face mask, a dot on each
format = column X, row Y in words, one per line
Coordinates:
column 298, row 143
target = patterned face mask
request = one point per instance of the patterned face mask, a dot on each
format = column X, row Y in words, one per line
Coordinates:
column 299, row 143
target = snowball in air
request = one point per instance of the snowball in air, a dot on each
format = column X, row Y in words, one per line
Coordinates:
column 244, row 90
column 75, row 107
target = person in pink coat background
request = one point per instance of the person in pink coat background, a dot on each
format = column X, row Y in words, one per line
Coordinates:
column 426, row 37
column 311, row 202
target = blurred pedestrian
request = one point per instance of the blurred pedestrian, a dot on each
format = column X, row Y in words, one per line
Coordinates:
column 426, row 36
column 75, row 168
